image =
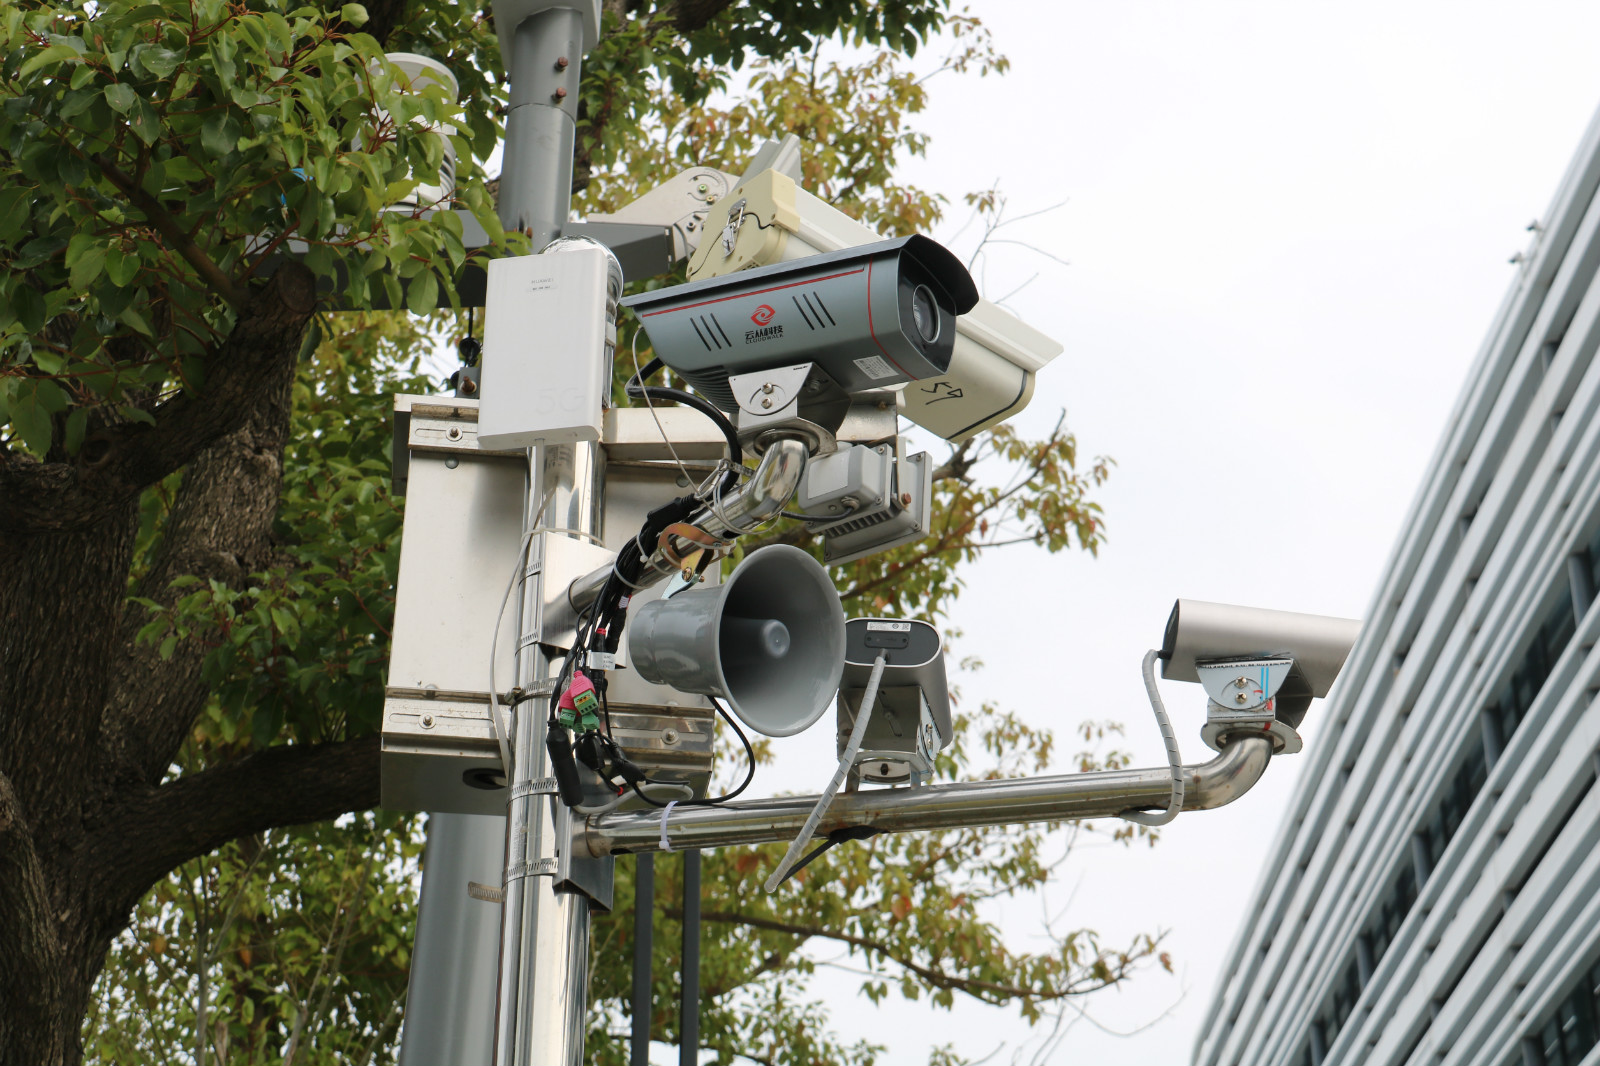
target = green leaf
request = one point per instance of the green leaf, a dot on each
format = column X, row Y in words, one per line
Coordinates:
column 219, row 134
column 55, row 53
column 159, row 61
column 354, row 14
column 120, row 97
column 31, row 421
column 29, row 306
column 422, row 295
column 121, row 267
column 146, row 126
column 77, row 423
column 13, row 210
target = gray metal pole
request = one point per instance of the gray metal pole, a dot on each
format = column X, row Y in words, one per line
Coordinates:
column 644, row 902
column 541, row 123
column 450, row 997
column 689, row 1004
column 544, row 935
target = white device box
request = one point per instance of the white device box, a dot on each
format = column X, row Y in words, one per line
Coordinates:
column 545, row 371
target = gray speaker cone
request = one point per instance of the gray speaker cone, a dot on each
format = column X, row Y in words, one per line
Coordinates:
column 769, row 641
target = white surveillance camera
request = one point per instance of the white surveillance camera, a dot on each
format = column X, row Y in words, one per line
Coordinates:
column 1260, row 668
column 768, row 218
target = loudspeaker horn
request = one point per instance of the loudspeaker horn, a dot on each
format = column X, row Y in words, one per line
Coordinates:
column 769, row 641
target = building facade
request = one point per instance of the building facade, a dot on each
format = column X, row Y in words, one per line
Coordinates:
column 1433, row 895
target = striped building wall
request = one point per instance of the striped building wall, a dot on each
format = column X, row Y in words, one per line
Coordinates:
column 1433, row 896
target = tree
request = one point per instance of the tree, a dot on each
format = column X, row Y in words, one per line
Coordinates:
column 194, row 519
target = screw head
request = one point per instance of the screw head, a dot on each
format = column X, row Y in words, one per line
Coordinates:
column 454, row 433
column 766, row 402
column 767, row 388
column 451, row 463
column 427, row 721
column 562, row 63
column 1240, row 698
column 560, row 94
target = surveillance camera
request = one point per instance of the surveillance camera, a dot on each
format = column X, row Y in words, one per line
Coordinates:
column 1260, row 668
column 910, row 720
column 883, row 314
column 768, row 218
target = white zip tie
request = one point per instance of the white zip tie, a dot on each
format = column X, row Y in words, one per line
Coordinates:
column 666, row 845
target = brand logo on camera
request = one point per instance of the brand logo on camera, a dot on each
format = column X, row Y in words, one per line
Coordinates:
column 763, row 315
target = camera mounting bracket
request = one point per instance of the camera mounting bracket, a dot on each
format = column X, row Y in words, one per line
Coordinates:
column 1243, row 700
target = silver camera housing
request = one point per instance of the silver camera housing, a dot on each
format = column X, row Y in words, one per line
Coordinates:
column 1260, row 668
column 910, row 722
column 880, row 315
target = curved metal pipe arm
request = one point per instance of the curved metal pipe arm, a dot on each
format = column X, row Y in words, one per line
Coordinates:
column 758, row 498
column 963, row 804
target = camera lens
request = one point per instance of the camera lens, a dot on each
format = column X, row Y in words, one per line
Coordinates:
column 925, row 313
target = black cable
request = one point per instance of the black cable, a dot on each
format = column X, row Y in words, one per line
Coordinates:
column 838, row 836
column 636, row 389
column 698, row 403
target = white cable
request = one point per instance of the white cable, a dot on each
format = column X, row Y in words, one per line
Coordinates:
column 494, row 639
column 666, row 845
column 645, row 395
column 612, row 804
column 857, row 734
column 1175, row 801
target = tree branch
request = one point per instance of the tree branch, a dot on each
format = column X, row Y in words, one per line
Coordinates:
column 220, row 528
column 988, row 991
column 155, row 831
column 115, row 464
column 179, row 240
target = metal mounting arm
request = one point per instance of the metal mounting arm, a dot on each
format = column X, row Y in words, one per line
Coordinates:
column 964, row 804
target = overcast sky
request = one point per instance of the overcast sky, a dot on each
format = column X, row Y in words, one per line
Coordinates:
column 1288, row 228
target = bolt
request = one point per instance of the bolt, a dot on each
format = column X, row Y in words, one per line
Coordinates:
column 1241, row 698
column 905, row 499
column 427, row 721
column 766, row 403
column 669, row 736
column 562, row 63
column 767, row 388
column 1241, row 682
column 683, row 482
column 702, row 187
column 454, row 433
column 883, row 769
column 560, row 94
column 452, row 463
column 430, row 691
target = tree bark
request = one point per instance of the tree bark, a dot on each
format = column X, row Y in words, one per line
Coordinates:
column 90, row 721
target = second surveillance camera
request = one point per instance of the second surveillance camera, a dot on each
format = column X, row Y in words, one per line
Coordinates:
column 879, row 315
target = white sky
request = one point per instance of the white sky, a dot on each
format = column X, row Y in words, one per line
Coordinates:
column 1288, row 228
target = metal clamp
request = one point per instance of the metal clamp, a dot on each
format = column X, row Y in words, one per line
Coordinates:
column 530, row 868
column 543, row 786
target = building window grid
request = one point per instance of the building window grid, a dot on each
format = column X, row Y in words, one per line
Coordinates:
column 1572, row 1028
column 1506, row 713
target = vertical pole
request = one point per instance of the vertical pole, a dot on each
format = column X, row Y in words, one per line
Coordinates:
column 644, row 902
column 689, row 1008
column 544, row 935
column 542, row 999
column 541, row 123
column 450, row 996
